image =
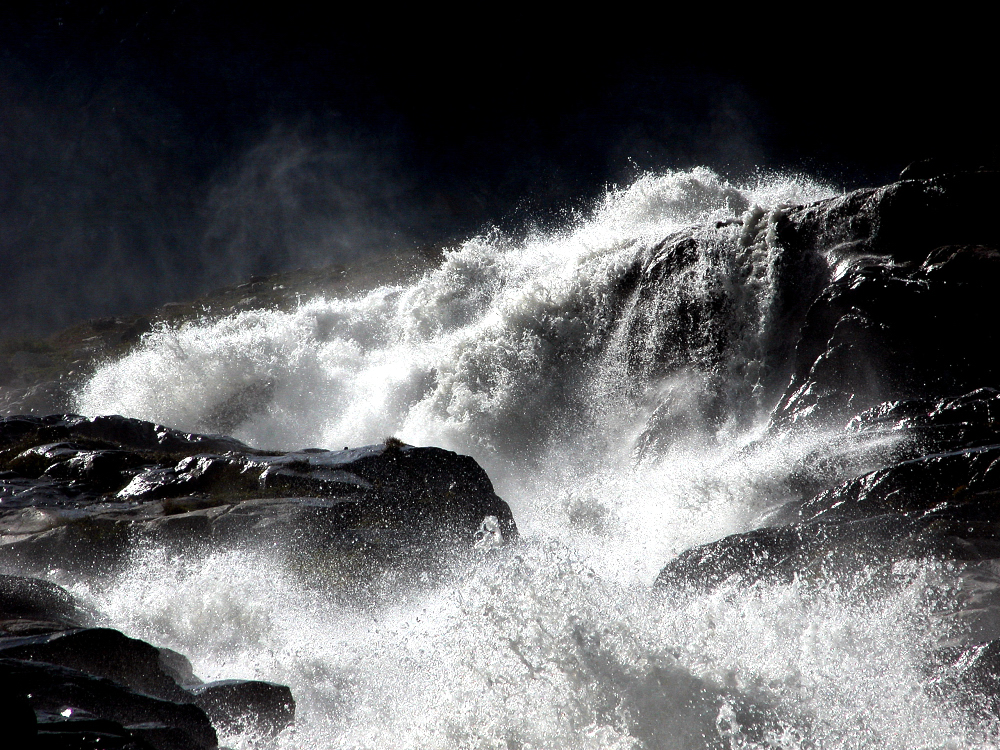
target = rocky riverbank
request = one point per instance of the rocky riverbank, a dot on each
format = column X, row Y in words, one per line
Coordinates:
column 878, row 336
column 898, row 348
column 81, row 495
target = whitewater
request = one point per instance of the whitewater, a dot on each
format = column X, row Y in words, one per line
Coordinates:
column 623, row 423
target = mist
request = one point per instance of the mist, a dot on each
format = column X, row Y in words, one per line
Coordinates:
column 150, row 154
column 114, row 203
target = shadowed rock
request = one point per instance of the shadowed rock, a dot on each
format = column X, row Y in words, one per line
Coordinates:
column 78, row 687
column 260, row 709
column 100, row 652
column 897, row 350
column 29, row 606
column 83, row 492
column 57, row 690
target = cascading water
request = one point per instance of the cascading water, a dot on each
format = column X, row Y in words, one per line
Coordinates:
column 610, row 381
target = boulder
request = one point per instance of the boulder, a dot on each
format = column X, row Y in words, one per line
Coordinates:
column 73, row 686
column 942, row 505
column 259, row 709
column 29, row 606
column 100, row 652
column 83, row 492
column 58, row 690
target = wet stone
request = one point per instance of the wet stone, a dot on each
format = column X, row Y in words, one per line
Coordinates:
column 109, row 483
column 261, row 709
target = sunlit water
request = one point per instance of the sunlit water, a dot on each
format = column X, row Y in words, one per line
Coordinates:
column 616, row 447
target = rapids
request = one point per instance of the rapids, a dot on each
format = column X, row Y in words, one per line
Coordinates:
column 621, row 432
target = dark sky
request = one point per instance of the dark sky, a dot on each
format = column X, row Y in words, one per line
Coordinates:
column 151, row 151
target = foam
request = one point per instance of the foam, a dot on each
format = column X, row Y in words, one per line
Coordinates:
column 526, row 355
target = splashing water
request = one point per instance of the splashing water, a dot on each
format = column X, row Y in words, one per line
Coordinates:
column 532, row 650
column 613, row 411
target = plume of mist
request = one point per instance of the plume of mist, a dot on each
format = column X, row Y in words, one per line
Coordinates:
column 297, row 200
column 114, row 199
column 104, row 210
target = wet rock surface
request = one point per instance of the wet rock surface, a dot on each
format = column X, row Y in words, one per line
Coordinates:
column 904, row 314
column 82, row 493
column 898, row 348
column 66, row 685
column 894, row 348
column 875, row 296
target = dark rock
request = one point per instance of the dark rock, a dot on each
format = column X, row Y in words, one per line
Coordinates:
column 692, row 312
column 55, row 690
column 178, row 667
column 903, row 221
column 967, row 480
column 927, row 426
column 817, row 551
column 885, row 333
column 110, row 432
column 82, row 492
column 29, row 606
column 891, row 315
column 940, row 506
column 96, row 687
column 83, row 731
column 133, row 332
column 100, row 652
column 261, row 709
column 17, row 719
column 160, row 736
column 748, row 556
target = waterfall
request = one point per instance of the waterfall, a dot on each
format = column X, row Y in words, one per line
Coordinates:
column 615, row 378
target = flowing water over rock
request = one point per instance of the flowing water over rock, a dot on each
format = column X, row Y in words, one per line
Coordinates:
column 657, row 376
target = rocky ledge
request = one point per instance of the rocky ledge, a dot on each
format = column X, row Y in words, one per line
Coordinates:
column 80, row 495
column 894, row 349
column 894, row 354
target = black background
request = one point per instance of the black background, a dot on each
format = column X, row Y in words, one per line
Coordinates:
column 152, row 151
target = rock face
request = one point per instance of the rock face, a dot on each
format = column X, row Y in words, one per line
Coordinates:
column 898, row 346
column 916, row 265
column 81, row 493
column 64, row 685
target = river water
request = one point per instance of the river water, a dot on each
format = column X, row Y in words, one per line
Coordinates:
column 624, row 423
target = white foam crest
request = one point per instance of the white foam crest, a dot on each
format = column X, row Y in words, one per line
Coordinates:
column 657, row 203
column 484, row 354
column 775, row 190
column 521, row 354
column 531, row 649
